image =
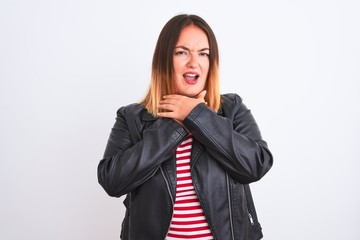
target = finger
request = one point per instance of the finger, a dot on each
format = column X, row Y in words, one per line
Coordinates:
column 165, row 106
column 173, row 99
column 171, row 96
column 168, row 101
column 165, row 114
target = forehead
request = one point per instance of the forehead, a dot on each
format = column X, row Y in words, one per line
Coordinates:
column 194, row 37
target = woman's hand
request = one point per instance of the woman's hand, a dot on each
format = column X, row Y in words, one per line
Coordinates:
column 178, row 107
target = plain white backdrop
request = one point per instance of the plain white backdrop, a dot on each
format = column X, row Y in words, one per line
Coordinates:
column 67, row 66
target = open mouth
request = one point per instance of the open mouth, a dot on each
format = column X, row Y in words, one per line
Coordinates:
column 191, row 77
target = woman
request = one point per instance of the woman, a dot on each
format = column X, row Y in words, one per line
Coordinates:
column 185, row 155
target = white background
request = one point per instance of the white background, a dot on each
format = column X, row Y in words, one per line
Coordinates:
column 67, row 66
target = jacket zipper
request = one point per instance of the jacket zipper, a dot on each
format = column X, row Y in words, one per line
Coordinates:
column 251, row 219
column 230, row 208
column 172, row 199
column 192, row 163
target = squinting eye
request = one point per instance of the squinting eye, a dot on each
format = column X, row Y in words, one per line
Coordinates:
column 181, row 53
column 204, row 54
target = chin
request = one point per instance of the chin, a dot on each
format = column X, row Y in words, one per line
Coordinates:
column 191, row 94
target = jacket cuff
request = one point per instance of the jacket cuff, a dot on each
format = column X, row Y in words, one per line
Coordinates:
column 174, row 124
column 197, row 110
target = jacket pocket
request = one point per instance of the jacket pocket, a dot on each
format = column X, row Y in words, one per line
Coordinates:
column 255, row 230
column 245, row 223
column 124, row 234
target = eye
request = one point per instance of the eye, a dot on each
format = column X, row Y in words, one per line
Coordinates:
column 181, row 53
column 204, row 54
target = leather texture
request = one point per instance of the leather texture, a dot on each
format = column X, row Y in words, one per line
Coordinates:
column 228, row 153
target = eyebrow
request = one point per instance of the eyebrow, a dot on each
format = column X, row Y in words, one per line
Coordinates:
column 183, row 47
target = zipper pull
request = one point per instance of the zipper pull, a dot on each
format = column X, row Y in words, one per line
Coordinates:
column 251, row 219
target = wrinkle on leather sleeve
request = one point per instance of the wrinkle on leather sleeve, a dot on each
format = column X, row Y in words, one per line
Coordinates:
column 127, row 164
column 233, row 139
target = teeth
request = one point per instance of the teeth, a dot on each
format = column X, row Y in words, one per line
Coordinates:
column 190, row 75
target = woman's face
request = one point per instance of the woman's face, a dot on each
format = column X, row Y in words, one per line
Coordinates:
column 191, row 61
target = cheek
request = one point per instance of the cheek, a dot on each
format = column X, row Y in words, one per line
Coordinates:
column 178, row 65
column 205, row 65
column 205, row 69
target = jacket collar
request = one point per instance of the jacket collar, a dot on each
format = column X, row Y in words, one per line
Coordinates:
column 147, row 116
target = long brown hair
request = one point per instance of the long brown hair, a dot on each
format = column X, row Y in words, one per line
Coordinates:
column 162, row 70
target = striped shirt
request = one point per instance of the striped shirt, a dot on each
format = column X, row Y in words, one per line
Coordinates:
column 188, row 221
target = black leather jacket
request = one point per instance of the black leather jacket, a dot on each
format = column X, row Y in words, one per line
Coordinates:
column 228, row 153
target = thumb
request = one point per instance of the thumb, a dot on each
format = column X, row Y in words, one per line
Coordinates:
column 201, row 94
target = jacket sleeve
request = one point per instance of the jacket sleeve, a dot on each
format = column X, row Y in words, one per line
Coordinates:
column 234, row 139
column 127, row 164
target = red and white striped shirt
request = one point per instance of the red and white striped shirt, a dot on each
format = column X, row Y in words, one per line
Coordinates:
column 188, row 221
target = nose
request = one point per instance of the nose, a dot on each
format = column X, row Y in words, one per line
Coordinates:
column 193, row 61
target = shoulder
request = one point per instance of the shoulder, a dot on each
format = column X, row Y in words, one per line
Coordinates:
column 232, row 104
column 133, row 107
column 134, row 111
column 230, row 100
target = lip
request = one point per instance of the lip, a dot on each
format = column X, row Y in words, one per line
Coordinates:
column 191, row 77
